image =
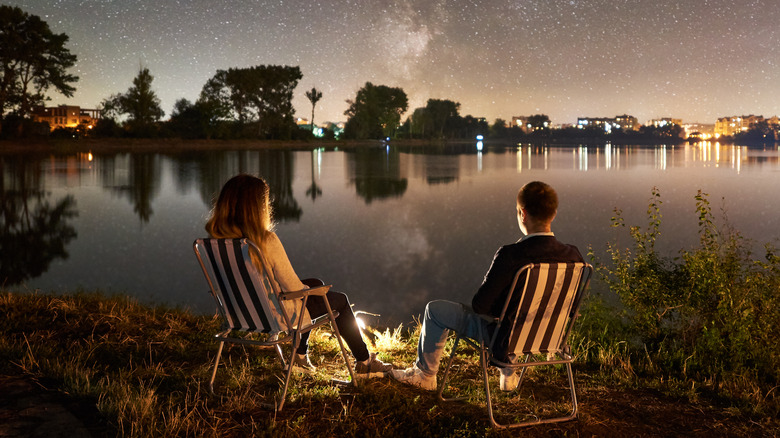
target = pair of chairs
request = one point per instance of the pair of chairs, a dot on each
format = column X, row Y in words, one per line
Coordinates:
column 536, row 319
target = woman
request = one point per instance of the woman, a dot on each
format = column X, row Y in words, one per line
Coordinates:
column 243, row 209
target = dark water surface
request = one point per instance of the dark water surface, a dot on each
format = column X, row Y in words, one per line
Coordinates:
column 392, row 226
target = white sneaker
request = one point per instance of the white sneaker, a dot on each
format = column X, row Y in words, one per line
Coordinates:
column 508, row 380
column 415, row 376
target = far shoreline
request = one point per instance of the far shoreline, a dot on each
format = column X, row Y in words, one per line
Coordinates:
column 169, row 145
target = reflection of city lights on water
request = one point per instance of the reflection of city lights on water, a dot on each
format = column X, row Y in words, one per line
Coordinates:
column 614, row 157
column 717, row 155
column 660, row 158
column 582, row 155
column 479, row 156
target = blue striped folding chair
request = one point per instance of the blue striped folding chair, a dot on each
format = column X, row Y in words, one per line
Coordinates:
column 249, row 303
column 535, row 323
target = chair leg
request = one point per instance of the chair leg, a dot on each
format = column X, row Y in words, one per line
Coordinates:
column 296, row 341
column 443, row 384
column 488, row 401
column 283, row 396
column 216, row 364
column 522, row 373
column 569, row 417
column 278, row 348
column 335, row 329
column 573, row 392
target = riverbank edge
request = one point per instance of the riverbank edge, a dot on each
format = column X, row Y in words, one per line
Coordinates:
column 117, row 327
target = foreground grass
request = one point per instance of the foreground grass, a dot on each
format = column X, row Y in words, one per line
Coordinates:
column 146, row 370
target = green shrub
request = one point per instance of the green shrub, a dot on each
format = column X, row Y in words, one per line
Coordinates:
column 711, row 315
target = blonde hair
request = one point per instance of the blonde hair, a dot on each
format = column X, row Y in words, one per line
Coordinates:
column 243, row 209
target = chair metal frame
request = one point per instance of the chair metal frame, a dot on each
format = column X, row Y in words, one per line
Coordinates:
column 549, row 280
column 247, row 299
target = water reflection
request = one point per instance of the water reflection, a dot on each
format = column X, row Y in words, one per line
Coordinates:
column 314, row 191
column 143, row 183
column 376, row 173
column 210, row 170
column 36, row 228
column 434, row 216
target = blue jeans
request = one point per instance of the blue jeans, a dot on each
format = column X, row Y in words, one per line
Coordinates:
column 441, row 316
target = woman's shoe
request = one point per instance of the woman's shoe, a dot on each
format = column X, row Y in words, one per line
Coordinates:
column 373, row 367
column 302, row 364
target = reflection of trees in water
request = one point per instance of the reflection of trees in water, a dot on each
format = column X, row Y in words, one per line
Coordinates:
column 35, row 231
column 276, row 167
column 142, row 185
column 441, row 169
column 376, row 173
column 314, row 191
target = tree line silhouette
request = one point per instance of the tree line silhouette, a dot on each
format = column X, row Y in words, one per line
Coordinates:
column 253, row 103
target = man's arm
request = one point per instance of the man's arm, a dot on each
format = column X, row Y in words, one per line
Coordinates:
column 496, row 281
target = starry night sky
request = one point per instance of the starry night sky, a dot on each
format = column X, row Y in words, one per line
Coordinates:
column 695, row 59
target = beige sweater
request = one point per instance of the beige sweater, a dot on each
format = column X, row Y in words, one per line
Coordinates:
column 284, row 277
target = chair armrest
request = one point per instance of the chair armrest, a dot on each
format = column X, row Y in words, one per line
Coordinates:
column 319, row 291
column 488, row 318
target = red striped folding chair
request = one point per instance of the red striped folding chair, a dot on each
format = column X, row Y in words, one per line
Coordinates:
column 535, row 323
column 249, row 303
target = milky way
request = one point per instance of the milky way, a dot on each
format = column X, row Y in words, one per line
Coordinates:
column 696, row 60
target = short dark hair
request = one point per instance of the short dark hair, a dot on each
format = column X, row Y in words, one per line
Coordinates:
column 539, row 200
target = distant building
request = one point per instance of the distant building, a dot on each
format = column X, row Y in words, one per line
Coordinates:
column 735, row 124
column 65, row 116
column 664, row 121
column 627, row 123
column 521, row 122
column 623, row 123
column 703, row 131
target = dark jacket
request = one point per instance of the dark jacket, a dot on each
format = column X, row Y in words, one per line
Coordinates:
column 491, row 296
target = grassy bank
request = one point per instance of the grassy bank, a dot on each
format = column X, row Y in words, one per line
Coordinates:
column 692, row 351
column 146, row 369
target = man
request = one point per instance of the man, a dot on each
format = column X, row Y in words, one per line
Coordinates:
column 537, row 205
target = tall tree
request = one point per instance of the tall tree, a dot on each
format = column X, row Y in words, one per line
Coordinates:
column 375, row 112
column 187, row 120
column 499, row 129
column 418, row 122
column 440, row 112
column 34, row 60
column 140, row 103
column 260, row 94
column 314, row 95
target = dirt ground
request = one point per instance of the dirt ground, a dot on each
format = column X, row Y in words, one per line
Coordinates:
column 29, row 409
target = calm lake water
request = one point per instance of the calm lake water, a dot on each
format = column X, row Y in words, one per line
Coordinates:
column 392, row 226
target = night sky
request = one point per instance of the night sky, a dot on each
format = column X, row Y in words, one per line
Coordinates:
column 695, row 59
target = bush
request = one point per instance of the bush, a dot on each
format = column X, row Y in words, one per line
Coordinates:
column 711, row 315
